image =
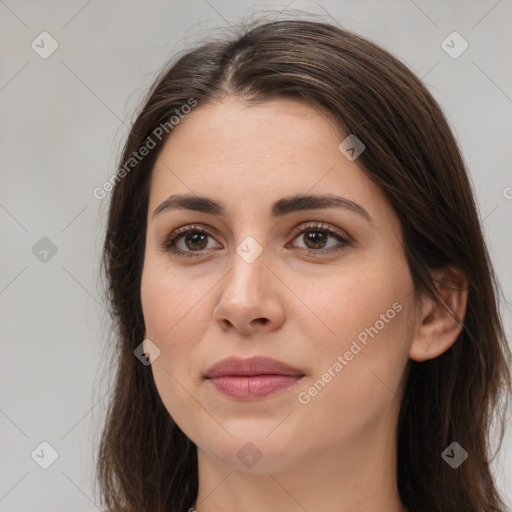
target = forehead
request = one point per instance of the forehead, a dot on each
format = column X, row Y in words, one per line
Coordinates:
column 279, row 128
column 253, row 155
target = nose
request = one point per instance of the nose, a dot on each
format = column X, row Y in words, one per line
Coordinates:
column 250, row 301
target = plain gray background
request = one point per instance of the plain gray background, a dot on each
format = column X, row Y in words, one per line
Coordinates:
column 63, row 119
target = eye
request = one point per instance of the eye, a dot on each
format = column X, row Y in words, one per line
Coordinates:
column 316, row 236
column 192, row 240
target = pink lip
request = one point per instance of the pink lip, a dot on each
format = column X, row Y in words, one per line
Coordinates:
column 252, row 378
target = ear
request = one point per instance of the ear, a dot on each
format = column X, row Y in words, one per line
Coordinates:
column 437, row 329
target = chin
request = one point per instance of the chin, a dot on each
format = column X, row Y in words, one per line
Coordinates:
column 255, row 451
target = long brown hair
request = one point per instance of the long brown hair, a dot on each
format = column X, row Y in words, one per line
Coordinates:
column 145, row 462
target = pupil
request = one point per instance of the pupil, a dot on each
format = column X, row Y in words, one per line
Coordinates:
column 317, row 238
column 196, row 239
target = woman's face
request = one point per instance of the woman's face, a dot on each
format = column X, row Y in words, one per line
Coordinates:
column 324, row 289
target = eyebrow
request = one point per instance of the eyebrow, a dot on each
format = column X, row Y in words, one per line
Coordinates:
column 279, row 208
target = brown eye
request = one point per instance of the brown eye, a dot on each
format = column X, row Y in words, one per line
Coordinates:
column 195, row 241
column 187, row 241
column 315, row 239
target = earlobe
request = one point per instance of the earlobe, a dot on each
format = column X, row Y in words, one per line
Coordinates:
column 437, row 329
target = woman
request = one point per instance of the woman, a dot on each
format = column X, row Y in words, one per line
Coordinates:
column 305, row 307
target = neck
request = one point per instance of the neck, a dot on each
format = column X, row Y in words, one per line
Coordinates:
column 358, row 476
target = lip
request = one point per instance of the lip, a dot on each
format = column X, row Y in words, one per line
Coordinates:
column 252, row 378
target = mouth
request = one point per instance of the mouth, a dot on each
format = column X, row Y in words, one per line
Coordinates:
column 251, row 379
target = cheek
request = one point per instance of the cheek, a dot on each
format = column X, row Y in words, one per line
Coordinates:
column 170, row 321
column 339, row 307
column 176, row 313
column 171, row 302
column 364, row 319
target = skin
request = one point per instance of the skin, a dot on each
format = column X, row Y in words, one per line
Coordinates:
column 337, row 452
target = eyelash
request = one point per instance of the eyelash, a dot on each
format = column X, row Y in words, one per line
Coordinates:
column 169, row 245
